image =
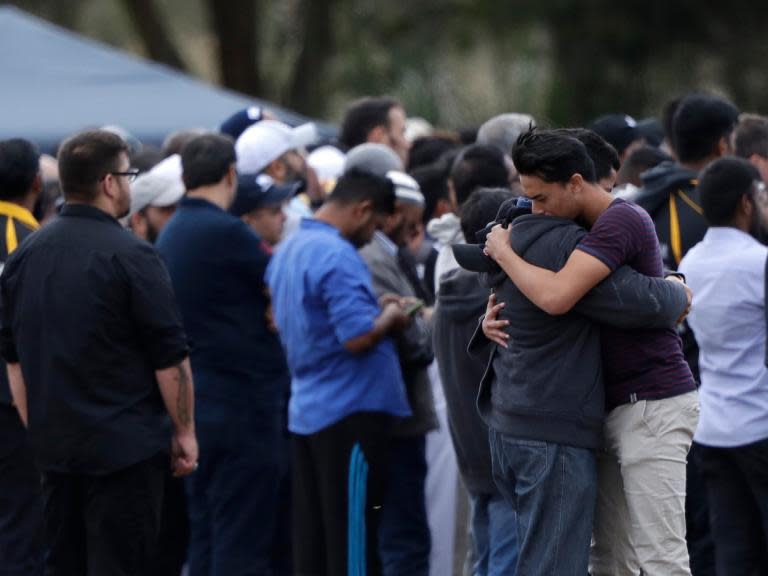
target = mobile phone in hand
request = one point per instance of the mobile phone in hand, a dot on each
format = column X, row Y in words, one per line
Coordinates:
column 414, row 307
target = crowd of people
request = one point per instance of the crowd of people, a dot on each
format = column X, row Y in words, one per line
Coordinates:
column 254, row 352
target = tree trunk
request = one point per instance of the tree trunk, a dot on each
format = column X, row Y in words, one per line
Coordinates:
column 153, row 32
column 234, row 25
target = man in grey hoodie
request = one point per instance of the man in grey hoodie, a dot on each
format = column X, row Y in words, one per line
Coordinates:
column 462, row 299
column 542, row 395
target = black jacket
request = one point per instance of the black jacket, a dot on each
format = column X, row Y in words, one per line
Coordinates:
column 461, row 301
column 548, row 385
column 669, row 194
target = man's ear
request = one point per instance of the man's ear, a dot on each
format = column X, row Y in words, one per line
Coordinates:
column 379, row 135
column 576, row 183
column 723, row 147
column 747, row 206
column 276, row 169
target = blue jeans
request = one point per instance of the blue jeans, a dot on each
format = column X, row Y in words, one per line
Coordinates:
column 404, row 537
column 234, row 497
column 494, row 536
column 553, row 489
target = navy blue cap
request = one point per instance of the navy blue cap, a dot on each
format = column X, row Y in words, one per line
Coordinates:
column 253, row 194
column 471, row 256
column 239, row 121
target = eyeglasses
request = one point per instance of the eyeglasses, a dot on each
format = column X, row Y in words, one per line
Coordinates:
column 129, row 174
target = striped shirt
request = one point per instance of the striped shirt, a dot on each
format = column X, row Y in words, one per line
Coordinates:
column 638, row 364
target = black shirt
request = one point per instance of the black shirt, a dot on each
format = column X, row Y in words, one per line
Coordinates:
column 88, row 310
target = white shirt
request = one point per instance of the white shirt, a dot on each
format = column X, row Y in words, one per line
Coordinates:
column 726, row 272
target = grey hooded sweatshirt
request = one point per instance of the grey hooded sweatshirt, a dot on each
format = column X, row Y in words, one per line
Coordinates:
column 548, row 385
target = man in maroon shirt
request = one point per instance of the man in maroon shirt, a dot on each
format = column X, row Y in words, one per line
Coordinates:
column 650, row 391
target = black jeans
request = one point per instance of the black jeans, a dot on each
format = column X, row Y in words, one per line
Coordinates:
column 21, row 502
column 338, row 489
column 98, row 525
column 737, row 484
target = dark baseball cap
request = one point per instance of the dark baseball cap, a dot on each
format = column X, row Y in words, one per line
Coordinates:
column 240, row 120
column 619, row 130
column 471, row 256
column 255, row 192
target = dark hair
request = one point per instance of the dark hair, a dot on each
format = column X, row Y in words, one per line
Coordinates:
column 751, row 136
column 668, row 116
column 552, row 156
column 357, row 186
column 85, row 158
column 433, row 181
column 700, row 122
column 175, row 141
column 363, row 116
column 480, row 209
column 428, row 149
column 19, row 165
column 638, row 162
column 146, row 158
column 721, row 187
column 206, row 159
column 603, row 154
column 475, row 166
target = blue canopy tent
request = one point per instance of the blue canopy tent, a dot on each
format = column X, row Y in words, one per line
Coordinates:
column 54, row 83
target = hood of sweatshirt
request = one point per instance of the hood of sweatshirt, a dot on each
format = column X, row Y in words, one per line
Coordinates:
column 446, row 229
column 658, row 181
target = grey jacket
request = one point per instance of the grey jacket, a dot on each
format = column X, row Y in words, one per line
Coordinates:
column 414, row 345
column 548, row 384
column 460, row 302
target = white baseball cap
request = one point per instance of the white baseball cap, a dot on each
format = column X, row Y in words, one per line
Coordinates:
column 267, row 140
column 406, row 188
column 162, row 186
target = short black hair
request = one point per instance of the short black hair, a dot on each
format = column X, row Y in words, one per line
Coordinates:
column 428, row 150
column 480, row 209
column 362, row 116
column 751, row 136
column 700, row 122
column 667, row 118
column 433, row 182
column 85, row 158
column 357, row 186
column 603, row 154
column 19, row 166
column 478, row 166
column 721, row 186
column 638, row 162
column 206, row 159
column 552, row 156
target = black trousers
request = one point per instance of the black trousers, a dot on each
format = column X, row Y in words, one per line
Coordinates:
column 338, row 488
column 737, row 485
column 99, row 525
column 21, row 502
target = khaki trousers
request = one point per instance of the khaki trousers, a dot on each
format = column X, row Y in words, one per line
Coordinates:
column 640, row 514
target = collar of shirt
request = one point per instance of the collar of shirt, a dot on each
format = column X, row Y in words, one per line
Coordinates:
column 729, row 235
column 385, row 242
column 87, row 211
column 198, row 203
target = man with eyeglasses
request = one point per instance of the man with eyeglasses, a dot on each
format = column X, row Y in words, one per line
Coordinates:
column 97, row 359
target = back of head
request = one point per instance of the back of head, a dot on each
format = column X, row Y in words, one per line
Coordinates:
column 85, row 158
column 475, row 166
column 700, row 121
column 481, row 209
column 206, row 159
column 721, row 186
column 358, row 186
column 751, row 136
column 603, row 154
column 175, row 141
column 502, row 131
column 374, row 158
column 363, row 116
column 433, row 181
column 638, row 162
column 552, row 156
column 428, row 149
column 668, row 117
column 19, row 166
